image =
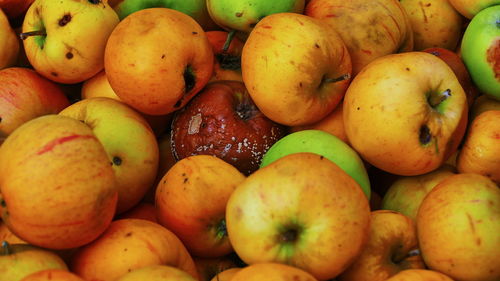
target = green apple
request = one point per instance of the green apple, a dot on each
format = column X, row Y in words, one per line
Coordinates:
column 20, row 260
column 197, row 9
column 480, row 50
column 64, row 40
column 129, row 142
column 244, row 15
column 325, row 144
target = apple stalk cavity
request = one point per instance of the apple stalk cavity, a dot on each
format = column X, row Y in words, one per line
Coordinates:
column 25, row 35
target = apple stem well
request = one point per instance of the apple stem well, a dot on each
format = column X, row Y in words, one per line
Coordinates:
column 437, row 99
column 25, row 35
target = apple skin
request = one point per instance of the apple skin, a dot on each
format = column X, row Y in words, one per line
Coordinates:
column 469, row 8
column 480, row 50
column 25, row 95
column 325, row 144
column 9, row 44
column 296, row 209
column 458, row 226
column 156, row 272
column 393, row 238
column 76, row 33
column 419, row 275
column 414, row 126
column 272, row 271
column 52, row 275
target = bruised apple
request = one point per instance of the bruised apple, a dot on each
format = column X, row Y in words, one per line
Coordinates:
column 223, row 121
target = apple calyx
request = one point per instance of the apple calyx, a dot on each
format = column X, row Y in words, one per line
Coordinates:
column 436, row 99
column 336, row 79
column 424, row 135
column 289, row 234
column 397, row 259
column 117, row 161
column 221, row 230
column 228, row 61
column 189, row 79
column 229, row 38
column 5, row 248
column 25, row 35
column 95, row 1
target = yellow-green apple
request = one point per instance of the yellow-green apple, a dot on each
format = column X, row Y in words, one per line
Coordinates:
column 419, row 275
column 25, row 95
column 20, row 260
column 457, row 65
column 458, row 225
column 369, row 29
column 174, row 64
column 296, row 68
column 434, row 23
column 197, row 9
column 406, row 193
column 413, row 108
column 480, row 152
column 58, row 190
column 227, row 63
column 156, row 273
column 52, row 275
column 481, row 104
column 480, row 50
column 244, row 15
column 191, row 202
column 325, row 144
column 391, row 248
column 301, row 210
column 9, row 44
column 272, row 271
column 130, row 244
column 469, row 8
column 65, row 40
column 129, row 142
column 223, row 121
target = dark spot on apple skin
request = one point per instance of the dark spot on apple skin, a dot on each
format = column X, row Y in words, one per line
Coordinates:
column 0, row 119
column 64, row 20
column 95, row 1
column 117, row 161
column 163, row 56
column 194, row 32
column 3, row 203
column 407, row 69
column 358, row 108
column 316, row 45
column 185, row 180
column 128, row 234
column 69, row 55
column 424, row 135
column 54, row 74
column 238, row 14
column 493, row 57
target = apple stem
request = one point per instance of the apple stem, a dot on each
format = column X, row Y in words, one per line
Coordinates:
column 229, row 38
column 337, row 79
column 25, row 35
column 415, row 252
column 435, row 100
column 5, row 246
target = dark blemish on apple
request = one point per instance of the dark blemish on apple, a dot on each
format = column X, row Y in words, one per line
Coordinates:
column 185, row 180
column 316, row 45
column 424, row 134
column 407, row 69
column 189, row 79
column 300, row 84
column 117, row 161
column 125, row 249
column 358, row 108
column 69, row 55
column 65, row 20
column 321, row 157
column 478, row 241
column 95, row 1
column 54, row 74
column 163, row 56
column 194, row 32
column 0, row 119
column 471, row 223
column 267, row 27
column 493, row 57
column 3, row 203
column 238, row 14
column 128, row 234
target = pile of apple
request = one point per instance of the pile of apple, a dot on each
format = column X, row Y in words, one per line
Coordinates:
column 249, row 140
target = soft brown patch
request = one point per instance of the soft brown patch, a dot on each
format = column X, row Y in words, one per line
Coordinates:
column 493, row 57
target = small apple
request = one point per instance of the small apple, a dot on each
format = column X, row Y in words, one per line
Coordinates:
column 223, row 121
column 469, row 8
column 65, row 40
column 174, row 64
column 325, row 144
column 419, row 275
column 296, row 209
column 272, row 271
column 480, row 50
column 296, row 68
column 458, row 226
column 9, row 44
column 415, row 118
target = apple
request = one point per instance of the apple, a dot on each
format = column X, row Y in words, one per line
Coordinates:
column 458, row 226
column 57, row 189
column 480, row 50
column 419, row 275
column 481, row 149
column 174, row 64
column 156, row 273
column 20, row 260
column 302, row 210
column 129, row 244
column 325, row 144
column 391, row 248
column 227, row 64
column 191, row 202
column 129, row 141
column 197, row 9
column 272, row 271
column 413, row 108
column 9, row 44
column 434, row 23
column 52, row 275
column 223, row 121
column 226, row 275
column 26, row 95
column 406, row 193
column 369, row 29
column 469, row 8
column 481, row 104
column 65, row 41
column 296, row 68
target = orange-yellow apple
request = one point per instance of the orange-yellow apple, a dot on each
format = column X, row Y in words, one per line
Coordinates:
column 175, row 60
column 156, row 273
column 301, row 210
column 130, row 244
column 20, row 260
column 480, row 153
column 52, row 275
column 24, row 95
column 296, row 68
column 412, row 107
column 391, row 248
column 481, row 104
column 58, row 190
column 65, row 40
column 435, row 23
column 406, row 193
column 458, row 225
column 272, row 271
column 419, row 275
column 8, row 236
column 98, row 86
column 469, row 8
column 191, row 202
column 370, row 29
column 226, row 275
column 129, row 142
column 9, row 44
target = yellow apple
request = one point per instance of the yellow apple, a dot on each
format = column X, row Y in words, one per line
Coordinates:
column 469, row 8
column 9, row 44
